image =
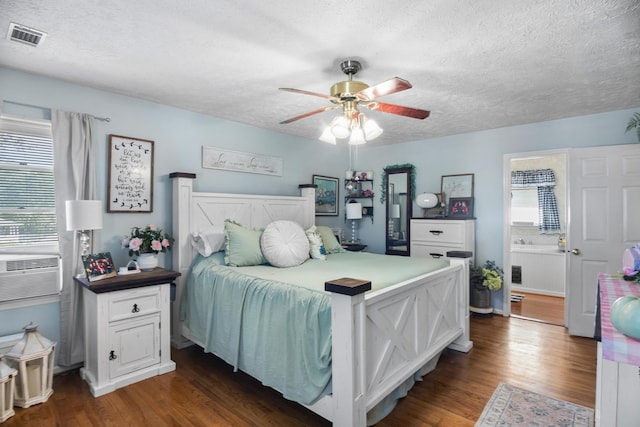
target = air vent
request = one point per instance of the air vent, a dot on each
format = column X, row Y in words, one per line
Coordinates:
column 26, row 35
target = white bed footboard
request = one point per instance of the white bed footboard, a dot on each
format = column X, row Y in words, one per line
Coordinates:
column 383, row 338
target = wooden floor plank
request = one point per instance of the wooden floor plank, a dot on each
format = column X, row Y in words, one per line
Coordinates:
column 204, row 391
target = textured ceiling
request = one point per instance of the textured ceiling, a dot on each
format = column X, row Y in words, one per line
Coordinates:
column 474, row 64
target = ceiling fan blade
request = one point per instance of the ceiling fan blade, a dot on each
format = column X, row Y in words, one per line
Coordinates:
column 310, row 113
column 399, row 110
column 393, row 85
column 306, row 92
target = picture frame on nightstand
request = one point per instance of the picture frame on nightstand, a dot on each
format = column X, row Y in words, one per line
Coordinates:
column 98, row 266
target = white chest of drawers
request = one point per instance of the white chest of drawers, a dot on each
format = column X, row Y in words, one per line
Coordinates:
column 435, row 237
column 127, row 331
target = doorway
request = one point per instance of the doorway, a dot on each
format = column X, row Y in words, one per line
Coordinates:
column 534, row 260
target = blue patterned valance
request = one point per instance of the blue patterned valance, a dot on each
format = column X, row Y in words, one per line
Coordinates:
column 533, row 178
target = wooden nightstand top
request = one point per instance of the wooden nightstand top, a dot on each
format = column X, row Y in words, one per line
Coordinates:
column 145, row 278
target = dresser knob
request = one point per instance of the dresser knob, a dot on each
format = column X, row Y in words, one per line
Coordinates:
column 436, row 232
column 435, row 255
column 135, row 308
column 112, row 355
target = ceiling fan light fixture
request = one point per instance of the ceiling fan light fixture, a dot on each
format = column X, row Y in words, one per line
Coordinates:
column 340, row 127
column 357, row 137
column 371, row 130
column 327, row 136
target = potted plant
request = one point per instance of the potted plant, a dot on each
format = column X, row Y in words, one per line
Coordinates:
column 482, row 280
column 146, row 243
column 634, row 123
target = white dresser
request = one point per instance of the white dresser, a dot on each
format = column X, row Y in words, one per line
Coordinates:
column 127, row 331
column 435, row 237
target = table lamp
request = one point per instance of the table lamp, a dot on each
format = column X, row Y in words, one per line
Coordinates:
column 354, row 212
column 84, row 216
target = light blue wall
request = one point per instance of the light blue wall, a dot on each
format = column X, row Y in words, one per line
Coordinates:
column 481, row 153
column 179, row 136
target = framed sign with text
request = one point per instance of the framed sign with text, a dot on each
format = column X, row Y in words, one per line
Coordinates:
column 130, row 187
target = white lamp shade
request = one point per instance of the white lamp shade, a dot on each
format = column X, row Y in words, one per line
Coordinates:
column 427, row 200
column 372, row 130
column 357, row 137
column 327, row 136
column 354, row 210
column 395, row 211
column 340, row 127
column 84, row 214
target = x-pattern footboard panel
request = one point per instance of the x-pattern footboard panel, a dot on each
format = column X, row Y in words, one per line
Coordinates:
column 406, row 330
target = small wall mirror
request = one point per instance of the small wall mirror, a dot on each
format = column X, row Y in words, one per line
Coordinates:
column 399, row 210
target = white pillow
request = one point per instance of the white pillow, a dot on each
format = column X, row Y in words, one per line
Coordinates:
column 208, row 242
column 316, row 247
column 284, row 244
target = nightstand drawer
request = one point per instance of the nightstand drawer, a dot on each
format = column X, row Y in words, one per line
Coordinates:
column 438, row 232
column 134, row 302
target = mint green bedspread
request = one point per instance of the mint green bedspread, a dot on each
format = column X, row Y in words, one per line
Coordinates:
column 275, row 323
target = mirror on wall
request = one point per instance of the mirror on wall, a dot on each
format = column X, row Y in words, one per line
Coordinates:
column 399, row 210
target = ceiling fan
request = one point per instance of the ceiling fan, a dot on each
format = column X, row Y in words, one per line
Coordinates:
column 352, row 94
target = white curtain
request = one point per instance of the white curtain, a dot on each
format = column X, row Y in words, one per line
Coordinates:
column 74, row 170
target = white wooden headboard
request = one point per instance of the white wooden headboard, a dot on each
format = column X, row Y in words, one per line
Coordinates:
column 206, row 212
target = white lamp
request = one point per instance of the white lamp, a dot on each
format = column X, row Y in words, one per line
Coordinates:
column 354, row 212
column 427, row 200
column 84, row 216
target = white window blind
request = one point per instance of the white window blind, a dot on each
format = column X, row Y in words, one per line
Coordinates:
column 27, row 192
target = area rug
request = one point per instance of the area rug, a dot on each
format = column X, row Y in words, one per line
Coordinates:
column 512, row 406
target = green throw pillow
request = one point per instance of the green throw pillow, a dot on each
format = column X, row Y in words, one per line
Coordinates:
column 243, row 245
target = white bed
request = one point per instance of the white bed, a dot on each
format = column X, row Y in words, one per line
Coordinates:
column 372, row 354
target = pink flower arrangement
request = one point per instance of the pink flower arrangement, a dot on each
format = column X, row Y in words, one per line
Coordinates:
column 147, row 240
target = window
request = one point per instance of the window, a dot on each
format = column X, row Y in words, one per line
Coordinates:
column 27, row 193
column 524, row 206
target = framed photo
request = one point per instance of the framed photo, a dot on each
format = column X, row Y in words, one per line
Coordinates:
column 456, row 186
column 327, row 193
column 130, row 184
column 461, row 207
column 98, row 266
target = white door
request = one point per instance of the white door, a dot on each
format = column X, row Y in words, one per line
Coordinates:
column 604, row 220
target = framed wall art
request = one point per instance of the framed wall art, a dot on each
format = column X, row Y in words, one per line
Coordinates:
column 327, row 194
column 456, row 186
column 461, row 207
column 130, row 184
column 219, row 158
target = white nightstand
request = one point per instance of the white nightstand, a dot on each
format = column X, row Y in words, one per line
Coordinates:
column 127, row 329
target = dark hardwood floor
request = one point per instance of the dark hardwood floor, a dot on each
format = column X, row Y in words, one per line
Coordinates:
column 543, row 308
column 204, row 391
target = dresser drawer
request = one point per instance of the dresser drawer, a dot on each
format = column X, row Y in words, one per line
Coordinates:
column 429, row 251
column 134, row 302
column 438, row 232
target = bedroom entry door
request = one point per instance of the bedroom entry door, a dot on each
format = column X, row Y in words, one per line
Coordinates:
column 604, row 202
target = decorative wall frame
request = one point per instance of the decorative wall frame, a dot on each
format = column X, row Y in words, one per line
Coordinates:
column 327, row 195
column 220, row 158
column 130, row 183
column 456, row 186
column 461, row 207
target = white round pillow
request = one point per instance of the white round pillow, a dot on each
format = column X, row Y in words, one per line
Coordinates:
column 284, row 244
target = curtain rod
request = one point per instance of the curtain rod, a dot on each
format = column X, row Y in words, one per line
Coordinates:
column 102, row 119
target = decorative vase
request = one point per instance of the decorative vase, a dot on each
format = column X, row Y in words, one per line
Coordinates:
column 147, row 261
